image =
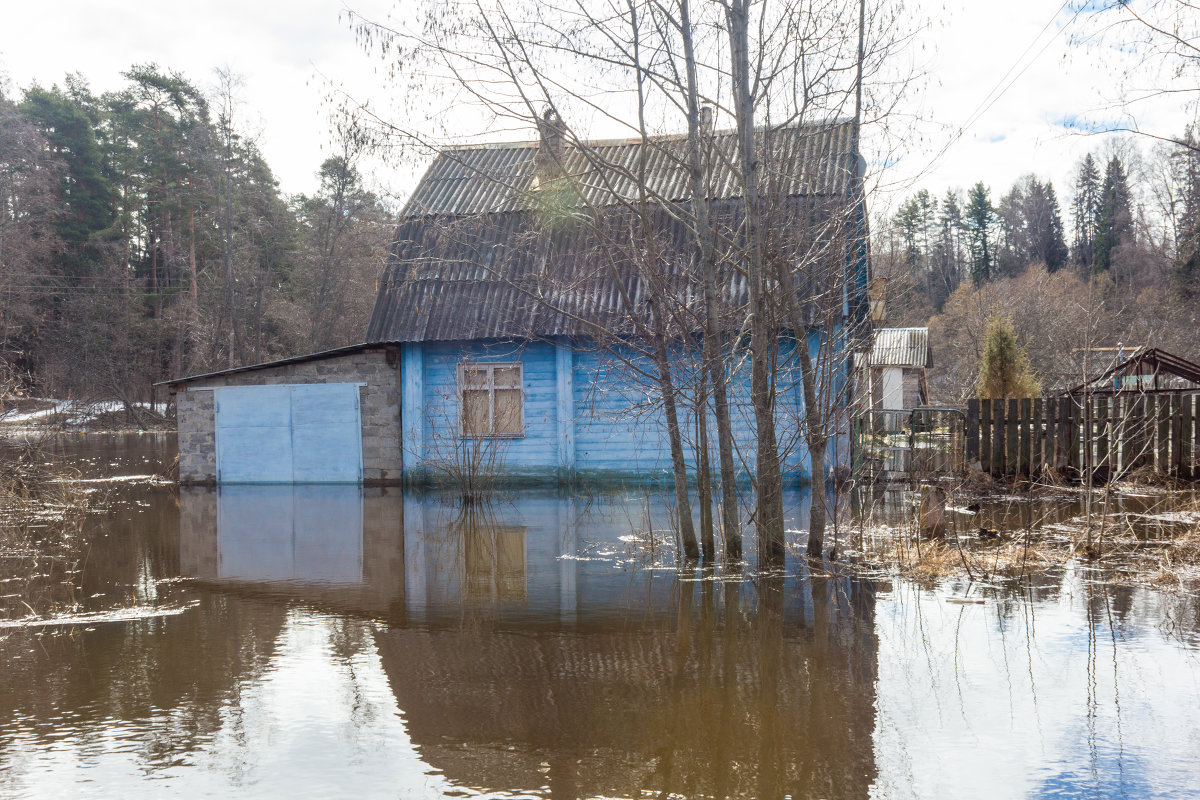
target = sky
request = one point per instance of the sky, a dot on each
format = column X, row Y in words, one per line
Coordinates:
column 291, row 54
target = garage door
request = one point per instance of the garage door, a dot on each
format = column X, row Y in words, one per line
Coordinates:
column 289, row 434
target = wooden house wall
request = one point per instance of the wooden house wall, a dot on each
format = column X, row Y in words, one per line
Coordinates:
column 586, row 412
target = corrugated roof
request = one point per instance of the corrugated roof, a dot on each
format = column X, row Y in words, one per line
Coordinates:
column 900, row 347
column 479, row 255
column 811, row 159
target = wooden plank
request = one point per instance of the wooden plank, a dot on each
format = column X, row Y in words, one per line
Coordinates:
column 997, row 437
column 1023, row 459
column 1035, row 439
column 1012, row 447
column 1101, row 468
column 1074, row 431
column 985, row 435
column 1122, row 433
column 1176, row 412
column 1162, row 424
column 972, row 430
column 1187, row 441
column 1048, row 449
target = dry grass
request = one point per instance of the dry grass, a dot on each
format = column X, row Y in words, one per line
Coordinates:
column 1157, row 545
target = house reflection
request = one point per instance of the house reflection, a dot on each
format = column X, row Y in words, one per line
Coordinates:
column 533, row 645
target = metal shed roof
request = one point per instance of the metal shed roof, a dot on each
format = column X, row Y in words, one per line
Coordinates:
column 810, row 159
column 900, row 347
column 478, row 254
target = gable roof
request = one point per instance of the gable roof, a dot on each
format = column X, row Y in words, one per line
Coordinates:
column 483, row 251
column 900, row 347
column 496, row 178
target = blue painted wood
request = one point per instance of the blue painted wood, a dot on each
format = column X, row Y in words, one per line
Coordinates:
column 412, row 408
column 565, row 377
column 574, row 391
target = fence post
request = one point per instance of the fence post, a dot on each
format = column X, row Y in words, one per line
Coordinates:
column 985, row 435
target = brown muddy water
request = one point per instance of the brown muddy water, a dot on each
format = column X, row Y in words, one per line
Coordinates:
column 335, row 642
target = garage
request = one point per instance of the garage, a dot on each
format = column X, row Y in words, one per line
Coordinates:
column 288, row 434
column 330, row 417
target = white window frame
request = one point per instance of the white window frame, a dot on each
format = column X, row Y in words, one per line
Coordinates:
column 491, row 367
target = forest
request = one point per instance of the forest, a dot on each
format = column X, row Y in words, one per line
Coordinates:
column 143, row 236
column 1114, row 264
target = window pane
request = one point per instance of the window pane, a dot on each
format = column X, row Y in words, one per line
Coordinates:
column 475, row 413
column 508, row 411
column 475, row 377
column 508, row 376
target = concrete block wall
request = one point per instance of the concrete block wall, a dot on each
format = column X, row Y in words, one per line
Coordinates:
column 379, row 409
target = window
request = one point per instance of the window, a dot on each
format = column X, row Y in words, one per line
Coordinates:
column 490, row 399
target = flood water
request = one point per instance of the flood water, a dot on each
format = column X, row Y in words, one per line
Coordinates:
column 337, row 642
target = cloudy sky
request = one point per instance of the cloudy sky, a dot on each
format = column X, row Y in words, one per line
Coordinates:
column 1004, row 91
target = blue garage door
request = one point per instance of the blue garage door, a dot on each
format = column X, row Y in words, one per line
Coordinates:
column 289, row 434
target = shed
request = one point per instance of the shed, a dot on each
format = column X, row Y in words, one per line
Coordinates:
column 1147, row 370
column 892, row 375
column 327, row 417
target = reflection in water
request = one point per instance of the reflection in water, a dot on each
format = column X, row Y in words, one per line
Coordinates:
column 366, row 643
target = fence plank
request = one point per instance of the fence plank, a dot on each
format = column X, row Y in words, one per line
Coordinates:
column 1050, row 444
column 1035, row 438
column 1100, row 467
column 1162, row 421
column 1024, row 410
column 1075, row 412
column 1122, row 433
column 985, row 435
column 1187, row 441
column 998, row 437
column 972, row 430
column 1012, row 449
column 1176, row 411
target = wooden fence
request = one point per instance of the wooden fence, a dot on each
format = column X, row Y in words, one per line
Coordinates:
column 1109, row 436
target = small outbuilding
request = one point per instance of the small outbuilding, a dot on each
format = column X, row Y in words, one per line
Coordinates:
column 892, row 375
column 328, row 417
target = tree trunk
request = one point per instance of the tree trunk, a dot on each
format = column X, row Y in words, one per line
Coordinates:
column 714, row 366
column 703, row 474
column 687, row 530
column 769, row 505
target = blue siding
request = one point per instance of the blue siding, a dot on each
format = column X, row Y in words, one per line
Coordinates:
column 618, row 427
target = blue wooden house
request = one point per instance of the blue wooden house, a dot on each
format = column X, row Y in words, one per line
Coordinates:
column 511, row 284
column 508, row 332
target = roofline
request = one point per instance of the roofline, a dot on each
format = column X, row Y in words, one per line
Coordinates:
column 617, row 142
column 318, row 356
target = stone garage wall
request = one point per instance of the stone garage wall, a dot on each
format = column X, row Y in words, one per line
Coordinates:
column 379, row 407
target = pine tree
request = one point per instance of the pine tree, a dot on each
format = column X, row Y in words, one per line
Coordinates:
column 1004, row 369
column 1055, row 242
column 1114, row 224
column 979, row 217
column 1085, row 209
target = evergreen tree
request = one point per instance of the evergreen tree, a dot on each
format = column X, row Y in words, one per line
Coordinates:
column 1085, row 209
column 1053, row 244
column 1004, row 369
column 948, row 258
column 1186, row 267
column 978, row 220
column 1114, row 224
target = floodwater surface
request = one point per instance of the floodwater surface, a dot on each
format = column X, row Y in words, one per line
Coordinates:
column 338, row 642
